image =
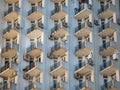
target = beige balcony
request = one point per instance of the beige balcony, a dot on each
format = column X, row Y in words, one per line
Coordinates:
column 111, row 85
column 12, row 13
column 12, row 1
column 10, row 32
column 34, row 32
column 83, row 30
column 107, row 29
column 8, row 71
column 59, row 13
column 58, row 68
column 84, row 49
column 59, row 31
column 83, row 68
column 108, row 49
column 35, row 13
column 83, row 12
column 35, row 1
column 107, row 11
column 86, row 85
column 10, row 50
column 57, row 1
column 32, row 70
column 104, row 0
column 58, row 50
column 108, row 68
column 35, row 50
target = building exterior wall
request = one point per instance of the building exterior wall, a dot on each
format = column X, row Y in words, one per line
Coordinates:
column 70, row 40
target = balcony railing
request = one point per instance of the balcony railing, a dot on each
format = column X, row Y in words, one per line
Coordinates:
column 82, row 64
column 83, row 25
column 12, row 9
column 29, row 67
column 29, row 87
column 56, row 65
column 58, row 9
column 9, row 46
column 105, row 26
column 109, row 84
column 82, row 7
column 105, row 65
column 56, row 85
column 83, row 44
column 106, row 45
column 34, row 46
column 35, row 86
column 57, row 46
column 107, row 6
column 5, row 86
column 37, row 8
column 80, row 86
column 63, row 25
column 33, row 27
column 4, row 68
column 9, row 28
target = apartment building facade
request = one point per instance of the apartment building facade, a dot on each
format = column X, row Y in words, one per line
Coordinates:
column 60, row 44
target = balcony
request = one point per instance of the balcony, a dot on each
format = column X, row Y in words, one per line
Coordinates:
column 107, row 29
column 83, row 12
column 35, row 50
column 83, row 30
column 8, row 86
column 83, row 68
column 58, row 50
column 84, row 49
column 8, row 71
column 34, row 31
column 86, row 85
column 10, row 32
column 103, row 0
column 108, row 48
column 58, row 86
column 108, row 68
column 59, row 13
column 111, row 85
column 57, row 1
column 28, row 58
column 33, row 86
column 10, row 50
column 58, row 68
column 33, row 69
column 12, row 13
column 59, row 31
column 35, row 1
column 11, row 1
column 35, row 13
column 107, row 11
